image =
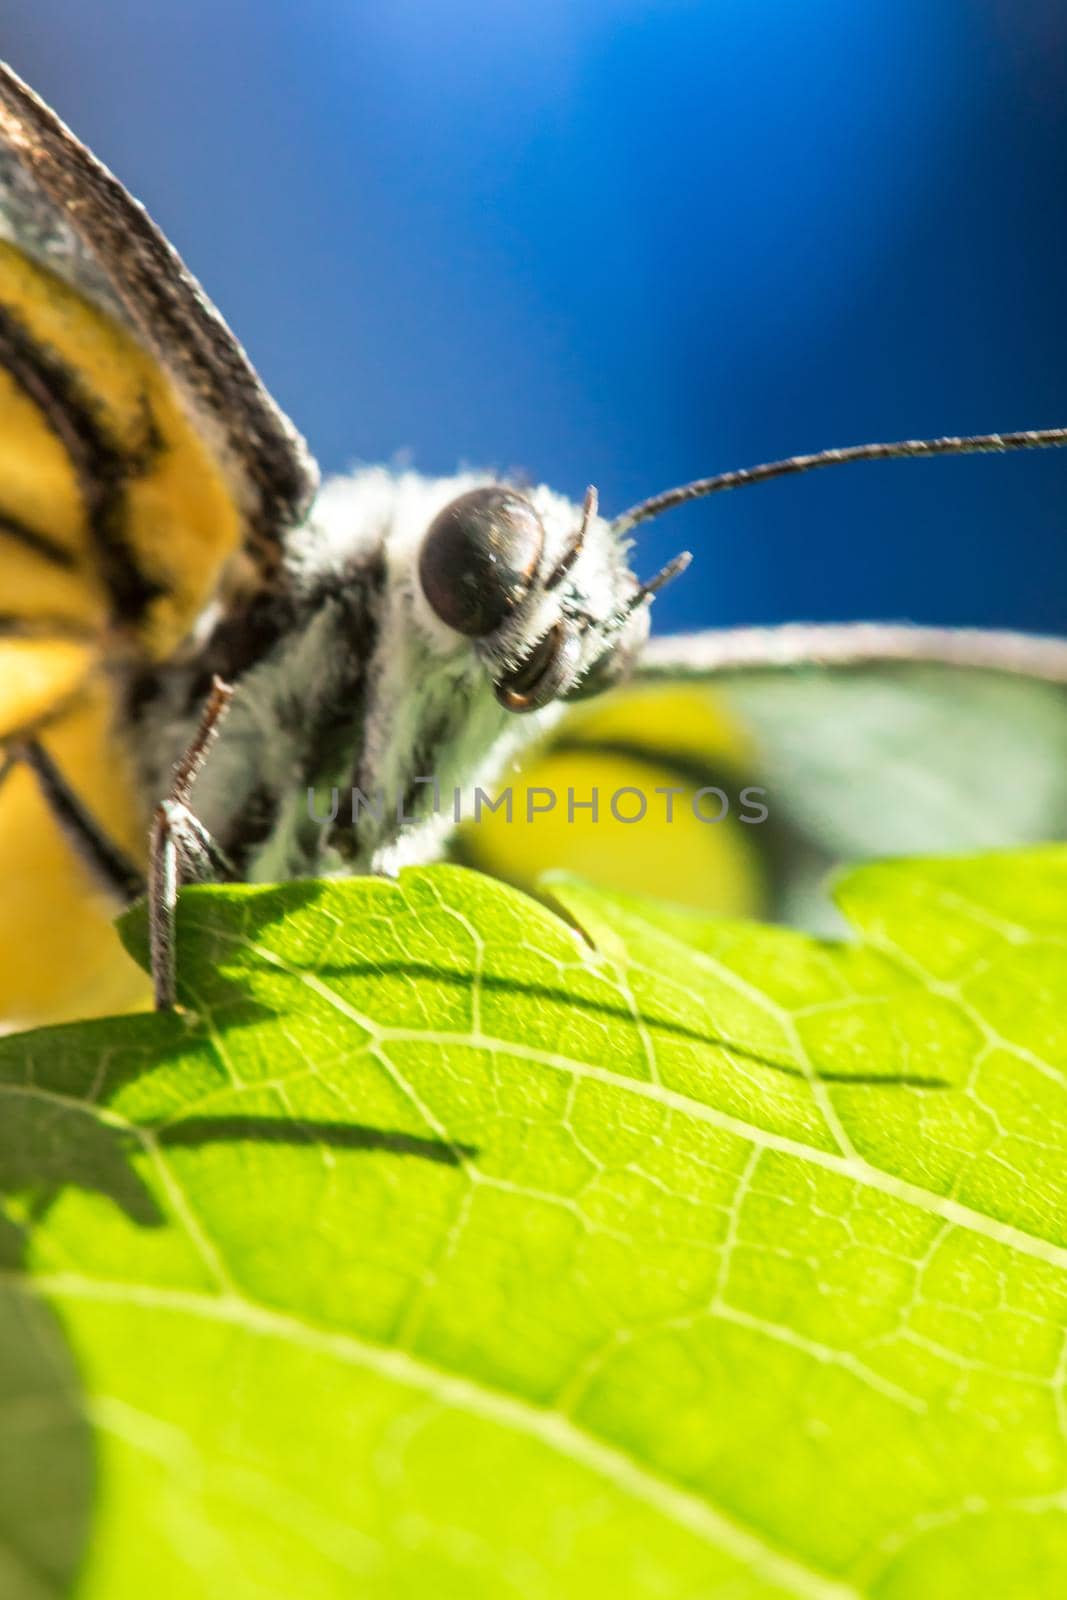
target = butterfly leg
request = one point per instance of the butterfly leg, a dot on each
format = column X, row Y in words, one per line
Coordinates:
column 108, row 862
column 181, row 850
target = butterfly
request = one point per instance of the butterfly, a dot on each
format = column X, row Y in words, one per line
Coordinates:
column 212, row 667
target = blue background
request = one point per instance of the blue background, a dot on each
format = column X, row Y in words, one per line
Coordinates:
column 632, row 243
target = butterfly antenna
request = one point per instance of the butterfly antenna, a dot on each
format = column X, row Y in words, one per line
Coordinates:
column 665, row 575
column 975, row 444
column 574, row 548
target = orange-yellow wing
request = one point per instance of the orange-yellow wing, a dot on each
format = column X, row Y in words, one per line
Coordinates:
column 155, row 455
column 144, row 473
column 59, row 955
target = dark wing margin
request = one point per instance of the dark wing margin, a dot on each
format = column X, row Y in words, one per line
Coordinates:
column 67, row 210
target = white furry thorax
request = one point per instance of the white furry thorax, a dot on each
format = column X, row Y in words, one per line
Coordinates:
column 424, row 677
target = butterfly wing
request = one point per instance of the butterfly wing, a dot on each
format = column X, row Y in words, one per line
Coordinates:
column 854, row 760
column 59, row 954
column 145, row 474
column 137, row 414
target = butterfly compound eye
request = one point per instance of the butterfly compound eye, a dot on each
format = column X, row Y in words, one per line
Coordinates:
column 479, row 558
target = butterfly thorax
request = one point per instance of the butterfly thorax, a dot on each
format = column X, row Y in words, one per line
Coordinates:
column 362, row 724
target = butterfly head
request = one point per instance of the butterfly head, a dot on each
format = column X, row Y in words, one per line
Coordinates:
column 546, row 596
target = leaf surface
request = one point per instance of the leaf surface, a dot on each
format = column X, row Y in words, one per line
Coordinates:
column 451, row 1251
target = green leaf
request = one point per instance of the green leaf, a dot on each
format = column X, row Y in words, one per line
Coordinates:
column 448, row 1251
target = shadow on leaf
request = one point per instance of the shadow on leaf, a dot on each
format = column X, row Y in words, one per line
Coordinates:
column 57, row 1133
column 337, row 1135
column 427, row 975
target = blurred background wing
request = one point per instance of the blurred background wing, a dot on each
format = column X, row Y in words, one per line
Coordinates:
column 854, row 762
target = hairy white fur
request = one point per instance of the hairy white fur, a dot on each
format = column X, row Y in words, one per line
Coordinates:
column 431, row 712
